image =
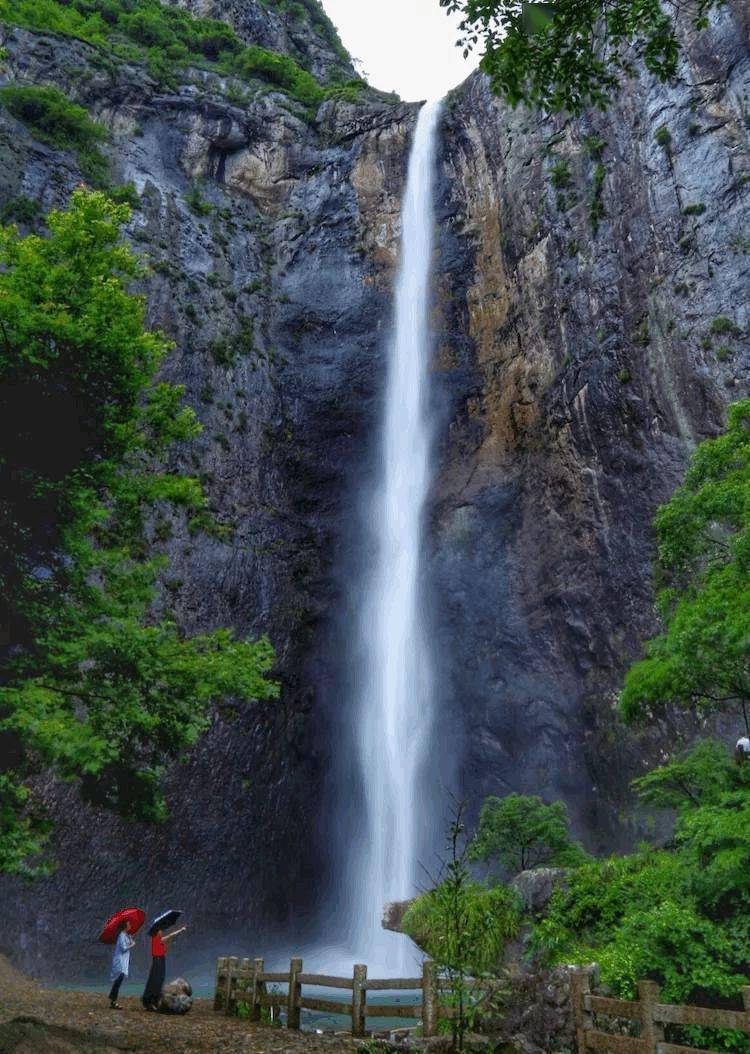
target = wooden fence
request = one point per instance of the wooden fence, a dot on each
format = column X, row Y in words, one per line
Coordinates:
column 240, row 981
column 649, row 1012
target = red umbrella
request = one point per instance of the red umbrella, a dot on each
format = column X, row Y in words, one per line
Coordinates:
column 111, row 927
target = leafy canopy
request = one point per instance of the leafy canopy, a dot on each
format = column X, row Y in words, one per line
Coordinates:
column 95, row 685
column 702, row 659
column 679, row 915
column 572, row 53
column 522, row 832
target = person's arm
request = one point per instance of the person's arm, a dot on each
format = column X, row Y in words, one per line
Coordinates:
column 175, row 933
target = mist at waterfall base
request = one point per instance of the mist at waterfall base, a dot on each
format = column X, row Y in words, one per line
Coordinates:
column 388, row 796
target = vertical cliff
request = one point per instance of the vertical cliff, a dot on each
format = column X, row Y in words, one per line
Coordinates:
column 267, row 231
column 595, row 298
column 582, row 267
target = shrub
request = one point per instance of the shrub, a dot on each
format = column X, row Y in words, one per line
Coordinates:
column 55, row 120
column 52, row 116
column 280, row 71
column 722, row 325
column 20, row 210
column 196, row 203
column 559, row 174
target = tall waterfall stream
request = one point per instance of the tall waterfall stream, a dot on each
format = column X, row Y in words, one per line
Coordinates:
column 395, row 683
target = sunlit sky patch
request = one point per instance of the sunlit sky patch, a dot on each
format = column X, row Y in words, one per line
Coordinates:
column 407, row 46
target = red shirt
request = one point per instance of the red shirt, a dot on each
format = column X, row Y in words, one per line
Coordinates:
column 158, row 947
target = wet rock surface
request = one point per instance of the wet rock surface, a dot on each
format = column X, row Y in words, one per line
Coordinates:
column 579, row 368
column 576, row 368
column 393, row 914
column 535, row 887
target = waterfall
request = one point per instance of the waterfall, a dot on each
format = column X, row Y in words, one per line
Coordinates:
column 394, row 708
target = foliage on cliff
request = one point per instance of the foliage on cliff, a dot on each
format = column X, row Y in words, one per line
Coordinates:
column 521, row 832
column 300, row 11
column 679, row 915
column 169, row 39
column 54, row 119
column 98, row 683
column 702, row 659
column 572, row 53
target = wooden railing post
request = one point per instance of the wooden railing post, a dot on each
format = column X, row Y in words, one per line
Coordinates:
column 221, row 966
column 652, row 1033
column 295, row 994
column 359, row 1000
column 257, row 989
column 232, row 962
column 746, row 998
column 580, row 987
column 429, row 998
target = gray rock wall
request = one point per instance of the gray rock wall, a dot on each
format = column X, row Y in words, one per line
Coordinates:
column 574, row 373
column 580, row 370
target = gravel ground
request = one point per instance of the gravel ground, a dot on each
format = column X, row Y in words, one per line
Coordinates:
column 38, row 1020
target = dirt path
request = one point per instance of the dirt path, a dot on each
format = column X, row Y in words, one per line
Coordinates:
column 37, row 1020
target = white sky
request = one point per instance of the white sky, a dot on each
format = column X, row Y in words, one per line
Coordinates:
column 406, row 46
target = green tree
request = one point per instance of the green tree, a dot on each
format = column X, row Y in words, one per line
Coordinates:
column 698, row 777
column 95, row 685
column 464, row 927
column 523, row 832
column 570, row 53
column 702, row 659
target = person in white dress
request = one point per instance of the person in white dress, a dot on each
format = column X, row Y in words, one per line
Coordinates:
column 120, row 963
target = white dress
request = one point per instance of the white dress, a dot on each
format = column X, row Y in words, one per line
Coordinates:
column 121, row 957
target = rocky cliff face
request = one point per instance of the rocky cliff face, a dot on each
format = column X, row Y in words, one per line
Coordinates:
column 575, row 371
column 266, row 236
column 299, row 29
column 584, row 267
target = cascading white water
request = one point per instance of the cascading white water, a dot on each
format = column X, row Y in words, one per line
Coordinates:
column 394, row 707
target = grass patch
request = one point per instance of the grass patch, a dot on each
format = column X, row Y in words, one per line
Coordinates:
column 559, row 174
column 723, row 326
column 169, row 38
column 55, row 120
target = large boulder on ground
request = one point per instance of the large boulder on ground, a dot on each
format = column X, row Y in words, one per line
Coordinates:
column 176, row 997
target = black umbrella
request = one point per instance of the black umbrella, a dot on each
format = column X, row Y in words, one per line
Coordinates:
column 163, row 921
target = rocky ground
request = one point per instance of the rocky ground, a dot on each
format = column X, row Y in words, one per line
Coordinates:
column 37, row 1020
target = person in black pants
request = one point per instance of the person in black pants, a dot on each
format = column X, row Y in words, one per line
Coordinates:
column 120, row 963
column 157, row 973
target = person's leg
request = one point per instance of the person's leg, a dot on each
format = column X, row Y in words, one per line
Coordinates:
column 115, row 989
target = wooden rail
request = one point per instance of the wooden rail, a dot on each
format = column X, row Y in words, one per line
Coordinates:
column 240, row 981
column 649, row 1012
